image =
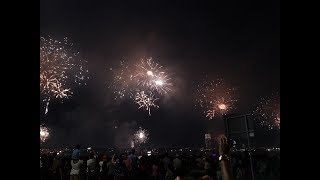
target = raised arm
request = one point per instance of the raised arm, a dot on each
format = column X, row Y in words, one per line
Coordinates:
column 224, row 159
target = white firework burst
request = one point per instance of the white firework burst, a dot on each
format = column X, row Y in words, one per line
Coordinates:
column 60, row 69
column 151, row 75
column 44, row 133
column 146, row 101
column 141, row 136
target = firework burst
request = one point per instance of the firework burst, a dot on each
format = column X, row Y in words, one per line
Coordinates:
column 214, row 98
column 161, row 83
column 267, row 112
column 133, row 80
column 60, row 67
column 44, row 134
column 151, row 75
column 146, row 101
column 141, row 136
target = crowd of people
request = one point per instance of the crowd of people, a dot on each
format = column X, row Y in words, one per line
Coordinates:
column 154, row 167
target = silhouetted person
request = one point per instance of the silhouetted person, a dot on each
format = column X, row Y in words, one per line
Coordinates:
column 91, row 167
column 76, row 152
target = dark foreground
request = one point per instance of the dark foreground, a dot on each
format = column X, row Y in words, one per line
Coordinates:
column 160, row 166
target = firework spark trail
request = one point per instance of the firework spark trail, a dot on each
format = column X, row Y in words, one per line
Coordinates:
column 146, row 101
column 214, row 98
column 47, row 106
column 44, row 133
column 60, row 67
column 141, row 136
column 267, row 111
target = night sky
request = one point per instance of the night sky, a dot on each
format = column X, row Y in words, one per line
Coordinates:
column 236, row 40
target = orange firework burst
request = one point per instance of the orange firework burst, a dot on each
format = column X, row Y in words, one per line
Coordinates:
column 214, row 98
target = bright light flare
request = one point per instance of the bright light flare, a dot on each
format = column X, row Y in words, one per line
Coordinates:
column 222, row 107
column 44, row 133
column 141, row 135
column 159, row 82
column 149, row 73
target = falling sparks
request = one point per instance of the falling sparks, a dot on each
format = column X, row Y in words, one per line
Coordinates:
column 210, row 113
column 44, row 133
column 60, row 67
column 267, row 111
column 214, row 98
column 122, row 84
column 141, row 136
column 146, row 101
